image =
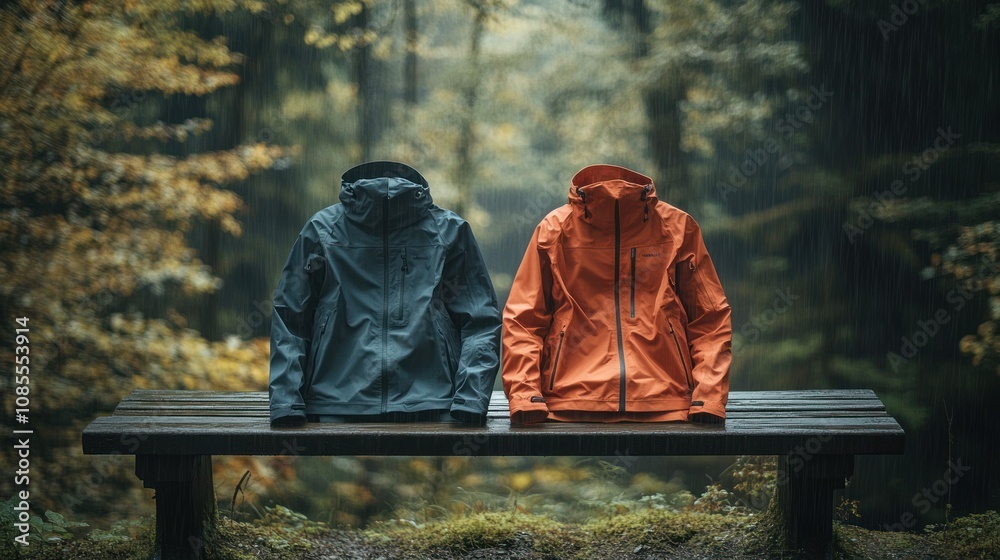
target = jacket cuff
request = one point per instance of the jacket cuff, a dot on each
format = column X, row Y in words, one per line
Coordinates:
column 288, row 410
column 710, row 407
column 531, row 410
column 469, row 413
column 469, row 417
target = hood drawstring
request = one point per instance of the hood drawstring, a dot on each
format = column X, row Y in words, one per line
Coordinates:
column 583, row 197
column 644, row 198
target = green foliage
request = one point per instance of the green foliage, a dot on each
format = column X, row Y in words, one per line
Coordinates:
column 645, row 529
column 53, row 528
column 855, row 542
column 467, row 533
column 285, row 520
column 972, row 536
column 8, row 517
column 282, row 535
column 125, row 540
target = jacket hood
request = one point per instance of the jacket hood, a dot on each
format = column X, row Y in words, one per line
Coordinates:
column 376, row 169
column 595, row 189
column 384, row 191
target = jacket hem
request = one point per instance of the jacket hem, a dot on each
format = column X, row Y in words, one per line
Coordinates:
column 375, row 407
column 718, row 409
column 612, row 405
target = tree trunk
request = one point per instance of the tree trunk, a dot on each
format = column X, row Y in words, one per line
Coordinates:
column 662, row 105
column 410, row 61
column 371, row 97
column 465, row 169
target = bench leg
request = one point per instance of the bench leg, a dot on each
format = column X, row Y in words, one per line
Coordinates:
column 805, row 499
column 185, row 503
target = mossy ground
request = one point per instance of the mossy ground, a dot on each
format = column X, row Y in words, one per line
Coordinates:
column 631, row 535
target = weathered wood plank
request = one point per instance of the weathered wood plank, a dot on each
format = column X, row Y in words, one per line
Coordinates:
column 737, row 405
column 258, row 413
column 155, row 402
column 498, row 395
column 759, row 422
column 179, row 435
column 153, row 424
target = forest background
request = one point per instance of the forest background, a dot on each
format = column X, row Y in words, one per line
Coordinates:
column 157, row 159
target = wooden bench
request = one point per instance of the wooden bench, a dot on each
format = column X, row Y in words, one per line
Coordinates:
column 174, row 434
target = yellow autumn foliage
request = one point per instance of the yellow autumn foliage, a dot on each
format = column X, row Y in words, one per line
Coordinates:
column 92, row 231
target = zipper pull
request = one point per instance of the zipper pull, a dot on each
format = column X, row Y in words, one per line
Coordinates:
column 406, row 267
column 670, row 325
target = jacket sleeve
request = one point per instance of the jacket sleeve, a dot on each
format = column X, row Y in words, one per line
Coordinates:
column 472, row 305
column 291, row 327
column 709, row 327
column 527, row 318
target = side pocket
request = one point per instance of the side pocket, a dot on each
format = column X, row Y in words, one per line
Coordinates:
column 682, row 357
column 705, row 302
column 555, row 361
column 314, row 345
column 448, row 344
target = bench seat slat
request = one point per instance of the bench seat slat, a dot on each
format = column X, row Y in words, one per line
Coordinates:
column 154, row 402
column 153, row 425
column 732, row 414
column 502, row 403
column 247, row 436
column 236, row 423
column 263, row 413
column 183, row 394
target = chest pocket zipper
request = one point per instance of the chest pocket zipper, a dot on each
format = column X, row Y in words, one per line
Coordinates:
column 402, row 282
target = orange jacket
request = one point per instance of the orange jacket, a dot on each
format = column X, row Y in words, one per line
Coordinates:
column 616, row 308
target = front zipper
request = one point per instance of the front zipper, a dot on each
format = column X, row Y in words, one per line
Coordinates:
column 555, row 362
column 402, row 282
column 687, row 373
column 385, row 298
column 618, row 309
column 631, row 296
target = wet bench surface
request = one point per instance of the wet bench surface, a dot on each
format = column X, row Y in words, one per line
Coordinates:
column 173, row 434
